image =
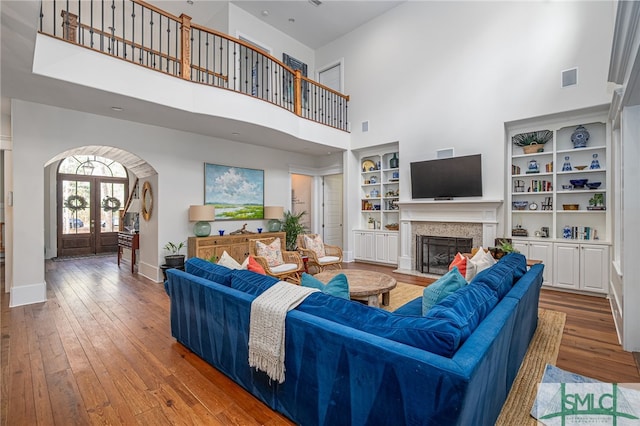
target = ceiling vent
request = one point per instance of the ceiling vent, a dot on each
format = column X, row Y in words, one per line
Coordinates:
column 315, row 2
column 570, row 77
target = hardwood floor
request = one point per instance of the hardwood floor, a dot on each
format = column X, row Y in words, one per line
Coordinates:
column 99, row 351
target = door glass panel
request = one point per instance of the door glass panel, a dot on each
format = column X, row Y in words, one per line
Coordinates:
column 76, row 207
column 112, row 199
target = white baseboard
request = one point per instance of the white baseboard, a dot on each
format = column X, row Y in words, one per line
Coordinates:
column 28, row 294
column 149, row 271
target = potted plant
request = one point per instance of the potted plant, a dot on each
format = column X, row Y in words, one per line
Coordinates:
column 292, row 225
column 532, row 142
column 503, row 248
column 174, row 259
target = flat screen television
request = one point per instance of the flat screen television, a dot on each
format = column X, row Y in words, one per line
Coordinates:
column 447, row 178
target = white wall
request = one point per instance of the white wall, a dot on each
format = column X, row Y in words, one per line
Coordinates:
column 247, row 25
column 449, row 74
column 40, row 132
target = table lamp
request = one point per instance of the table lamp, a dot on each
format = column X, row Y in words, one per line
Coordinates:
column 274, row 213
column 202, row 215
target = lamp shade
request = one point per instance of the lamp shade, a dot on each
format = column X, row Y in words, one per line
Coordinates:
column 206, row 213
column 273, row 212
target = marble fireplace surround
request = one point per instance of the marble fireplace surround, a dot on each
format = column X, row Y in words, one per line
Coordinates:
column 477, row 219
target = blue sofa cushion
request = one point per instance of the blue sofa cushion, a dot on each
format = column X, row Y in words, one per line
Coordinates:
column 465, row 308
column 337, row 286
column 501, row 276
column 251, row 282
column 517, row 262
column 447, row 284
column 437, row 335
column 207, row 270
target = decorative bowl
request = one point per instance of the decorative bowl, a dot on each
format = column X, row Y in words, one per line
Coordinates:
column 593, row 185
column 567, row 187
column 580, row 167
column 520, row 205
column 578, row 183
column 570, row 206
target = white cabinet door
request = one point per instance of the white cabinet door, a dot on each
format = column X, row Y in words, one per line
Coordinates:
column 594, row 268
column 386, row 248
column 539, row 250
column 364, row 248
column 567, row 266
column 381, row 248
column 392, row 248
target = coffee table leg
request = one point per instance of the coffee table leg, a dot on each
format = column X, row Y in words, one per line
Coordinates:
column 373, row 301
column 385, row 298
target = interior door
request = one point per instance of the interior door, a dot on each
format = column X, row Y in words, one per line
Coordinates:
column 88, row 214
column 332, row 210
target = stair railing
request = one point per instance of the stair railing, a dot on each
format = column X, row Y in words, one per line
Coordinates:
column 141, row 33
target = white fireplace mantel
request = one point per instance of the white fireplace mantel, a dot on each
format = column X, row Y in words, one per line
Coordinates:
column 484, row 212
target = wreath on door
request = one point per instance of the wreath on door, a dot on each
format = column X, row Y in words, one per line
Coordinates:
column 110, row 204
column 75, row 203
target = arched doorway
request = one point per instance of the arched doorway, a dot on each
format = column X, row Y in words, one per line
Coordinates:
column 90, row 192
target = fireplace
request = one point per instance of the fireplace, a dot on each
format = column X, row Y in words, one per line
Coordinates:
column 434, row 254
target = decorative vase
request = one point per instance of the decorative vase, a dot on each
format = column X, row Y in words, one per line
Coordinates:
column 533, row 166
column 580, row 137
column 393, row 162
column 566, row 167
column 595, row 164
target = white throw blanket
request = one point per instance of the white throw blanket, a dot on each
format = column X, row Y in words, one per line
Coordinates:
column 266, row 326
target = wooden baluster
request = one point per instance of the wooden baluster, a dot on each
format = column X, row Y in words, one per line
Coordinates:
column 297, row 92
column 185, row 36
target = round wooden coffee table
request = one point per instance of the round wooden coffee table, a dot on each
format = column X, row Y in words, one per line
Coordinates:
column 364, row 285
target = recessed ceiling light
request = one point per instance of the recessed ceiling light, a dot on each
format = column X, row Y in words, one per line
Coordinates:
column 189, row 1
column 315, row 2
column 235, row 134
column 265, row 13
column 117, row 109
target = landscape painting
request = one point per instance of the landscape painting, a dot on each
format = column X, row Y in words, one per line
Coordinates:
column 236, row 192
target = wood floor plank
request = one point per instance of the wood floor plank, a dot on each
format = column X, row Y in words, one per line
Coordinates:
column 100, row 351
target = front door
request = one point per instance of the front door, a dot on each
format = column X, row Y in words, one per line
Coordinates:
column 89, row 208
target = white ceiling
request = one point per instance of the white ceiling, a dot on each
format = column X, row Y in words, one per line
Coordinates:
column 314, row 26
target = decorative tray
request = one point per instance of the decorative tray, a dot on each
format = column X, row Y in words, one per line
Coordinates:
column 368, row 166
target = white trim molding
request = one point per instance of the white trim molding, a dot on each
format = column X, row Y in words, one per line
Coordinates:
column 28, row 294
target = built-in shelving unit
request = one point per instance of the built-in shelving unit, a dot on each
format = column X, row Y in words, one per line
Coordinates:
column 566, row 224
column 376, row 238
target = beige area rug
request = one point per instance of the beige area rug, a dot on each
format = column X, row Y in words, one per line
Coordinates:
column 543, row 350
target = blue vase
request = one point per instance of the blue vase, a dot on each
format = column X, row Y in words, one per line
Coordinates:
column 580, row 137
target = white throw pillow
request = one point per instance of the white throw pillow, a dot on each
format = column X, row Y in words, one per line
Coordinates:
column 229, row 262
column 482, row 260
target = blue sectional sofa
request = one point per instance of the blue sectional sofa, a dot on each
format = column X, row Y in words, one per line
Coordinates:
column 351, row 364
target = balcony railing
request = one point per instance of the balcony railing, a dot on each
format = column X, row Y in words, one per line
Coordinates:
column 141, row 33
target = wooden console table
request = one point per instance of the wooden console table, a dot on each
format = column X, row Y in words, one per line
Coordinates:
column 237, row 246
column 131, row 242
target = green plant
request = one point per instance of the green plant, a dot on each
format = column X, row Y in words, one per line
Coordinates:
column 507, row 247
column 213, row 259
column 525, row 139
column 292, row 225
column 174, row 248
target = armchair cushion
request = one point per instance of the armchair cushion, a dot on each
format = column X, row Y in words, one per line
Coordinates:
column 316, row 244
column 271, row 252
column 328, row 259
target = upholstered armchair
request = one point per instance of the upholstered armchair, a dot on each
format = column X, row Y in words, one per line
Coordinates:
column 282, row 264
column 321, row 256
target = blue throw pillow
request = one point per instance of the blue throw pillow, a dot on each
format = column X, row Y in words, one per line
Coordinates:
column 337, row 286
column 444, row 286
